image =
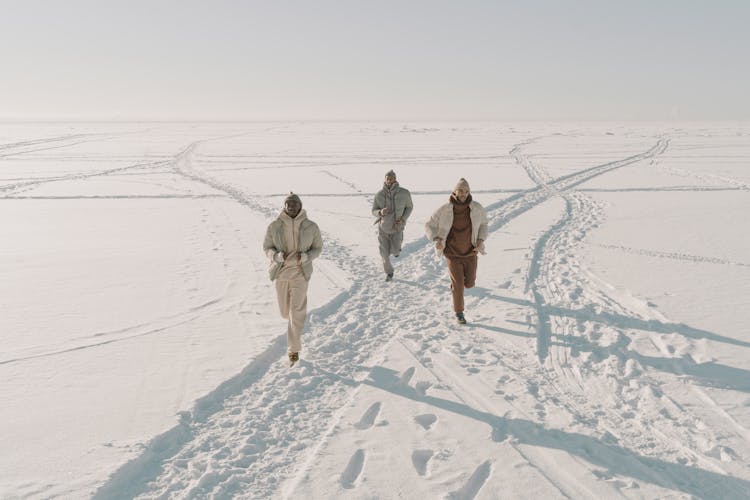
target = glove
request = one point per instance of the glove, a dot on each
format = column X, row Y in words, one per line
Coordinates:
column 439, row 247
column 399, row 222
column 384, row 211
column 278, row 257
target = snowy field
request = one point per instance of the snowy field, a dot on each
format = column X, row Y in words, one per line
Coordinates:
column 607, row 353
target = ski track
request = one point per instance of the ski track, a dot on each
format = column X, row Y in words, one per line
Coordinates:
column 557, row 279
column 230, row 300
column 674, row 255
column 249, row 436
column 11, row 146
column 26, row 185
column 705, row 177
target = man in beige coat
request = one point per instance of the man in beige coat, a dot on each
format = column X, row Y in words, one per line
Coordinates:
column 458, row 230
column 292, row 242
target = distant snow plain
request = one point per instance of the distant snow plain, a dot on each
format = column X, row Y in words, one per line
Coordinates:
column 607, row 353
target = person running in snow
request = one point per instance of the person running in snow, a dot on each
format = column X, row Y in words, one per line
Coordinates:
column 392, row 206
column 292, row 242
column 458, row 230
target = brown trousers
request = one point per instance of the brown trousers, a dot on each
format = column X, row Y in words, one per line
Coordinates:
column 463, row 272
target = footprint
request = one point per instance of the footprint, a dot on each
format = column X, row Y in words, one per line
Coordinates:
column 353, row 469
column 722, row 453
column 475, row 483
column 369, row 417
column 420, row 458
column 426, row 420
column 532, row 388
column 406, row 376
column 423, row 387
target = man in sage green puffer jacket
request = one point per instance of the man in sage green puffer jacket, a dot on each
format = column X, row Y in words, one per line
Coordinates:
column 392, row 206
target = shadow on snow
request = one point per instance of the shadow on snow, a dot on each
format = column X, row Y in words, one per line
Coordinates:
column 616, row 459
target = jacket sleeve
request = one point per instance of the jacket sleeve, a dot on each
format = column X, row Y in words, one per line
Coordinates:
column 377, row 204
column 268, row 247
column 432, row 226
column 482, row 234
column 317, row 245
column 408, row 208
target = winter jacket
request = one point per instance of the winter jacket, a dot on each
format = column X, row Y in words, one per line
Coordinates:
column 398, row 201
column 309, row 243
column 441, row 222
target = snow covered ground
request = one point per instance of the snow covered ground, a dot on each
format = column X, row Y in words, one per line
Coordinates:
column 607, row 353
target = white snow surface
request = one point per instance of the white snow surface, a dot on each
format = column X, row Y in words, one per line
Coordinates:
column 142, row 355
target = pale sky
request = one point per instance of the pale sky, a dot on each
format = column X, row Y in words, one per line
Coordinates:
column 378, row 59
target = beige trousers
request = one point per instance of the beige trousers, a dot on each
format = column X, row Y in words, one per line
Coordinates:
column 292, row 296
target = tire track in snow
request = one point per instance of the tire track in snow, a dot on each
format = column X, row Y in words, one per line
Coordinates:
column 76, row 138
column 514, row 206
column 212, row 307
column 36, row 150
column 555, row 279
column 119, row 197
column 551, row 273
column 673, row 255
column 550, row 188
column 77, row 176
column 48, row 140
column 219, row 305
column 737, row 184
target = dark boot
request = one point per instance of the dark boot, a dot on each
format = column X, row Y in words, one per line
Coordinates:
column 460, row 318
column 293, row 358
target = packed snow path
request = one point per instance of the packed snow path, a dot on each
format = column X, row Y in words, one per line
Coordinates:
column 563, row 385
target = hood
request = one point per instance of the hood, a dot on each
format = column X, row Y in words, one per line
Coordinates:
column 302, row 215
column 454, row 200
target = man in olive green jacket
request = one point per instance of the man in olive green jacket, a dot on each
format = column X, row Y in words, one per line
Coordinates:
column 292, row 242
column 392, row 206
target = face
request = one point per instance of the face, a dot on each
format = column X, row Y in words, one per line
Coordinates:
column 462, row 194
column 292, row 208
column 390, row 181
